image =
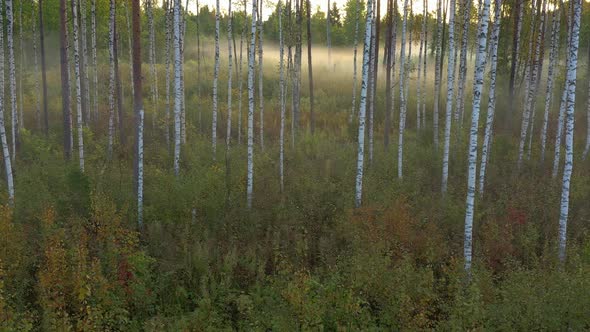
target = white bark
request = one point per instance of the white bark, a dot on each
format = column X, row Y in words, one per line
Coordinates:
column 363, row 106
column 21, row 66
column 463, row 65
column 177, row 87
column 168, row 74
column 282, row 100
column 424, row 57
column 372, row 86
column 354, row 61
column 215, row 79
column 402, row 92
column 5, row 148
column 128, row 22
column 251, row 59
column 111, row 76
column 419, row 83
column 94, row 58
column 84, row 57
column 472, row 161
column 229, row 75
column 77, row 78
column 487, row 141
column 553, row 55
column 437, row 72
column 260, row 77
column 450, row 92
column 240, row 78
column 569, row 135
column 12, row 75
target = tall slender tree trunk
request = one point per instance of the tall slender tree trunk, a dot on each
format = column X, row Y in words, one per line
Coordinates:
column 94, row 59
column 437, row 72
column 329, row 37
column 152, row 59
column 240, row 76
column 463, row 64
column 480, row 58
column 251, row 59
column 215, row 82
column 553, row 55
column 21, row 66
column 450, row 93
column 310, row 70
column 77, row 78
column 65, row 80
column 388, row 63
column 372, row 81
column 229, row 79
column 36, row 67
column 282, row 99
column 84, row 57
column 128, row 22
column 487, row 142
column 168, row 27
column 177, row 87
column 402, row 91
column 119, row 91
column 12, row 76
column 423, row 95
column 43, row 69
column 5, row 148
column 419, row 83
column 112, row 14
column 138, row 109
column 260, row 75
column 569, row 135
column 354, row 61
column 517, row 26
column 363, row 106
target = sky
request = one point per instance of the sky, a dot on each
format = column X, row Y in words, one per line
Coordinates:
column 271, row 4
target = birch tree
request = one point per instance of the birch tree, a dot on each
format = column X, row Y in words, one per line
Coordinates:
column 450, row 92
column 21, row 66
column 94, row 58
column 138, row 108
column 553, row 55
column 463, row 64
column 402, row 91
column 363, row 106
column 128, row 22
column 112, row 13
column 472, row 160
column 354, row 61
column 78, row 81
column 43, row 69
column 215, row 79
column 84, row 62
column 3, row 140
column 310, row 69
column 487, row 141
column 418, row 85
column 251, row 59
column 437, row 72
column 177, row 87
column 260, row 75
column 240, row 75
column 229, row 76
column 152, row 59
column 569, row 131
column 282, row 100
column 65, row 79
column 36, row 67
column 12, row 75
column 517, row 26
column 372, row 82
column 167, row 27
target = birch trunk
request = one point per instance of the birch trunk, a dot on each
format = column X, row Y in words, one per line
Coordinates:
column 21, row 66
column 12, row 75
column 251, row 59
column 402, row 91
column 43, row 69
column 138, row 108
column 515, row 52
column 363, row 106
column 388, row 57
column 65, row 80
column 354, row 61
column 260, row 75
column 450, row 92
column 372, row 82
column 167, row 27
column 424, row 56
column 36, row 67
column 437, row 72
column 128, row 22
column 472, row 161
column 310, row 69
column 177, row 87
column 5, row 148
column 229, row 76
column 94, row 58
column 569, row 135
column 215, row 82
column 487, row 142
column 240, row 77
column 111, row 77
column 282, row 100
column 77, row 78
column 84, row 58
column 463, row 65
column 553, row 55
column 152, row 59
column 419, row 83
